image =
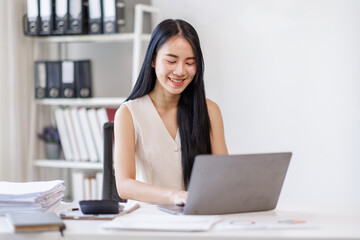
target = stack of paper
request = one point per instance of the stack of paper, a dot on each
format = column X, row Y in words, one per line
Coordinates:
column 30, row 196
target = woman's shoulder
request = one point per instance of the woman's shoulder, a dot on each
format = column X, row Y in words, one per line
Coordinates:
column 213, row 111
column 122, row 112
column 212, row 106
column 136, row 101
column 131, row 107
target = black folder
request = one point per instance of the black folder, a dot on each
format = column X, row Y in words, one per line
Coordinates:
column 83, row 78
column 77, row 17
column 40, row 79
column 113, row 16
column 31, row 26
column 45, row 9
column 60, row 9
column 95, row 16
column 53, row 80
column 68, row 79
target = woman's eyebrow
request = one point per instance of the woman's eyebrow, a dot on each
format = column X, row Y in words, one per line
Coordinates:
column 175, row 56
column 171, row 55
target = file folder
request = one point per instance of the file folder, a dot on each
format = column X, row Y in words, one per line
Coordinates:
column 68, row 79
column 32, row 18
column 83, row 78
column 95, row 16
column 77, row 15
column 113, row 16
column 60, row 16
column 45, row 17
column 40, row 79
column 53, row 79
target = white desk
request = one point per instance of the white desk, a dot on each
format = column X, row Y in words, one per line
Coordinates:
column 332, row 223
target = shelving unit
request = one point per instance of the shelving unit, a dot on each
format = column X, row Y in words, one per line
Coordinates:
column 68, row 164
column 137, row 38
column 81, row 102
column 120, row 37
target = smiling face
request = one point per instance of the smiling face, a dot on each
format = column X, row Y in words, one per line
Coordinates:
column 175, row 66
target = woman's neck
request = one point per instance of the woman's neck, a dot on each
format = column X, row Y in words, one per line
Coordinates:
column 164, row 100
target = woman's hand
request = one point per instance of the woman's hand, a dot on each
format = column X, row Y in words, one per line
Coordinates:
column 178, row 197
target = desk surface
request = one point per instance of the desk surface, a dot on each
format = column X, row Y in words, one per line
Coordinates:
column 331, row 223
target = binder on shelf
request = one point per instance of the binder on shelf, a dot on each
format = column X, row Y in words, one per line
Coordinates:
column 53, row 80
column 77, row 16
column 102, row 119
column 94, row 125
column 93, row 189
column 111, row 113
column 86, row 130
column 71, row 131
column 99, row 184
column 40, row 79
column 83, row 78
column 79, row 138
column 68, row 79
column 32, row 18
column 64, row 137
column 45, row 17
column 77, row 178
column 87, row 188
column 95, row 16
column 113, row 15
column 60, row 16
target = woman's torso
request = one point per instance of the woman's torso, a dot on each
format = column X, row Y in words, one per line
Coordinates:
column 157, row 154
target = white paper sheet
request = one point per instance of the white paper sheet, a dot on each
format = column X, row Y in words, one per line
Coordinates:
column 264, row 223
column 23, row 189
column 162, row 223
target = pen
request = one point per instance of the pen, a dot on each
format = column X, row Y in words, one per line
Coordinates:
column 73, row 209
column 132, row 208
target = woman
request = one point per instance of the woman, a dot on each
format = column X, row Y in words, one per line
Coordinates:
column 166, row 121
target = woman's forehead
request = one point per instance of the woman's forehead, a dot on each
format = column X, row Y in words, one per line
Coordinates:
column 177, row 45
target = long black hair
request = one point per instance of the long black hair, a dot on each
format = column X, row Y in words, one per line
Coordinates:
column 192, row 114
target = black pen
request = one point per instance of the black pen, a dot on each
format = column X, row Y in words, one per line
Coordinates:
column 73, row 209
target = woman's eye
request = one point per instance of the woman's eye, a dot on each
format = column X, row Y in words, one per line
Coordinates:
column 190, row 63
column 170, row 61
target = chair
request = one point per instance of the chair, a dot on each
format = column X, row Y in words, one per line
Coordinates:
column 109, row 184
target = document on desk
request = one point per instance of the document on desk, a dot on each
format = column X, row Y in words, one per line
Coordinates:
column 77, row 214
column 30, row 196
column 255, row 223
column 181, row 223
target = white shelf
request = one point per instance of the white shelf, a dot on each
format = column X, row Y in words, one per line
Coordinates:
column 68, row 164
column 100, row 38
column 81, row 101
column 137, row 38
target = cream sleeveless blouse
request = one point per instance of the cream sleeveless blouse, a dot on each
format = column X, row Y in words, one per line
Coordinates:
column 157, row 154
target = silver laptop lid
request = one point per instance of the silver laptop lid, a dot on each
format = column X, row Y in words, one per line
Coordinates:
column 221, row 184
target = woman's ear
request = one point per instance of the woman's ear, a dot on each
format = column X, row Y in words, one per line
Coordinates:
column 153, row 62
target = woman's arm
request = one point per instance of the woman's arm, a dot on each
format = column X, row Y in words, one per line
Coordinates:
column 217, row 136
column 125, row 171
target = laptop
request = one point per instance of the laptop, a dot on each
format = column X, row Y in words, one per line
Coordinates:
column 223, row 184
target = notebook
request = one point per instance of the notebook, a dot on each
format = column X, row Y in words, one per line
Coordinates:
column 35, row 221
column 222, row 184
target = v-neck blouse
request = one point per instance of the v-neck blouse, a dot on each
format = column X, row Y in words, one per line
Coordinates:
column 157, row 154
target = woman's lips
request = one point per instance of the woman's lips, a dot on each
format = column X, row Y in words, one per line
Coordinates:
column 177, row 81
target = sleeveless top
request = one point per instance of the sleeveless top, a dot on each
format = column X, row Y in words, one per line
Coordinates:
column 157, row 154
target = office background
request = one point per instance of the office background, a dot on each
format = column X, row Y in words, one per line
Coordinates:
column 285, row 74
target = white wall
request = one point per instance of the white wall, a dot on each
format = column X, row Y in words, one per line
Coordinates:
column 286, row 76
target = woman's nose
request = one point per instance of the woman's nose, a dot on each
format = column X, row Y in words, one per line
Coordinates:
column 179, row 70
